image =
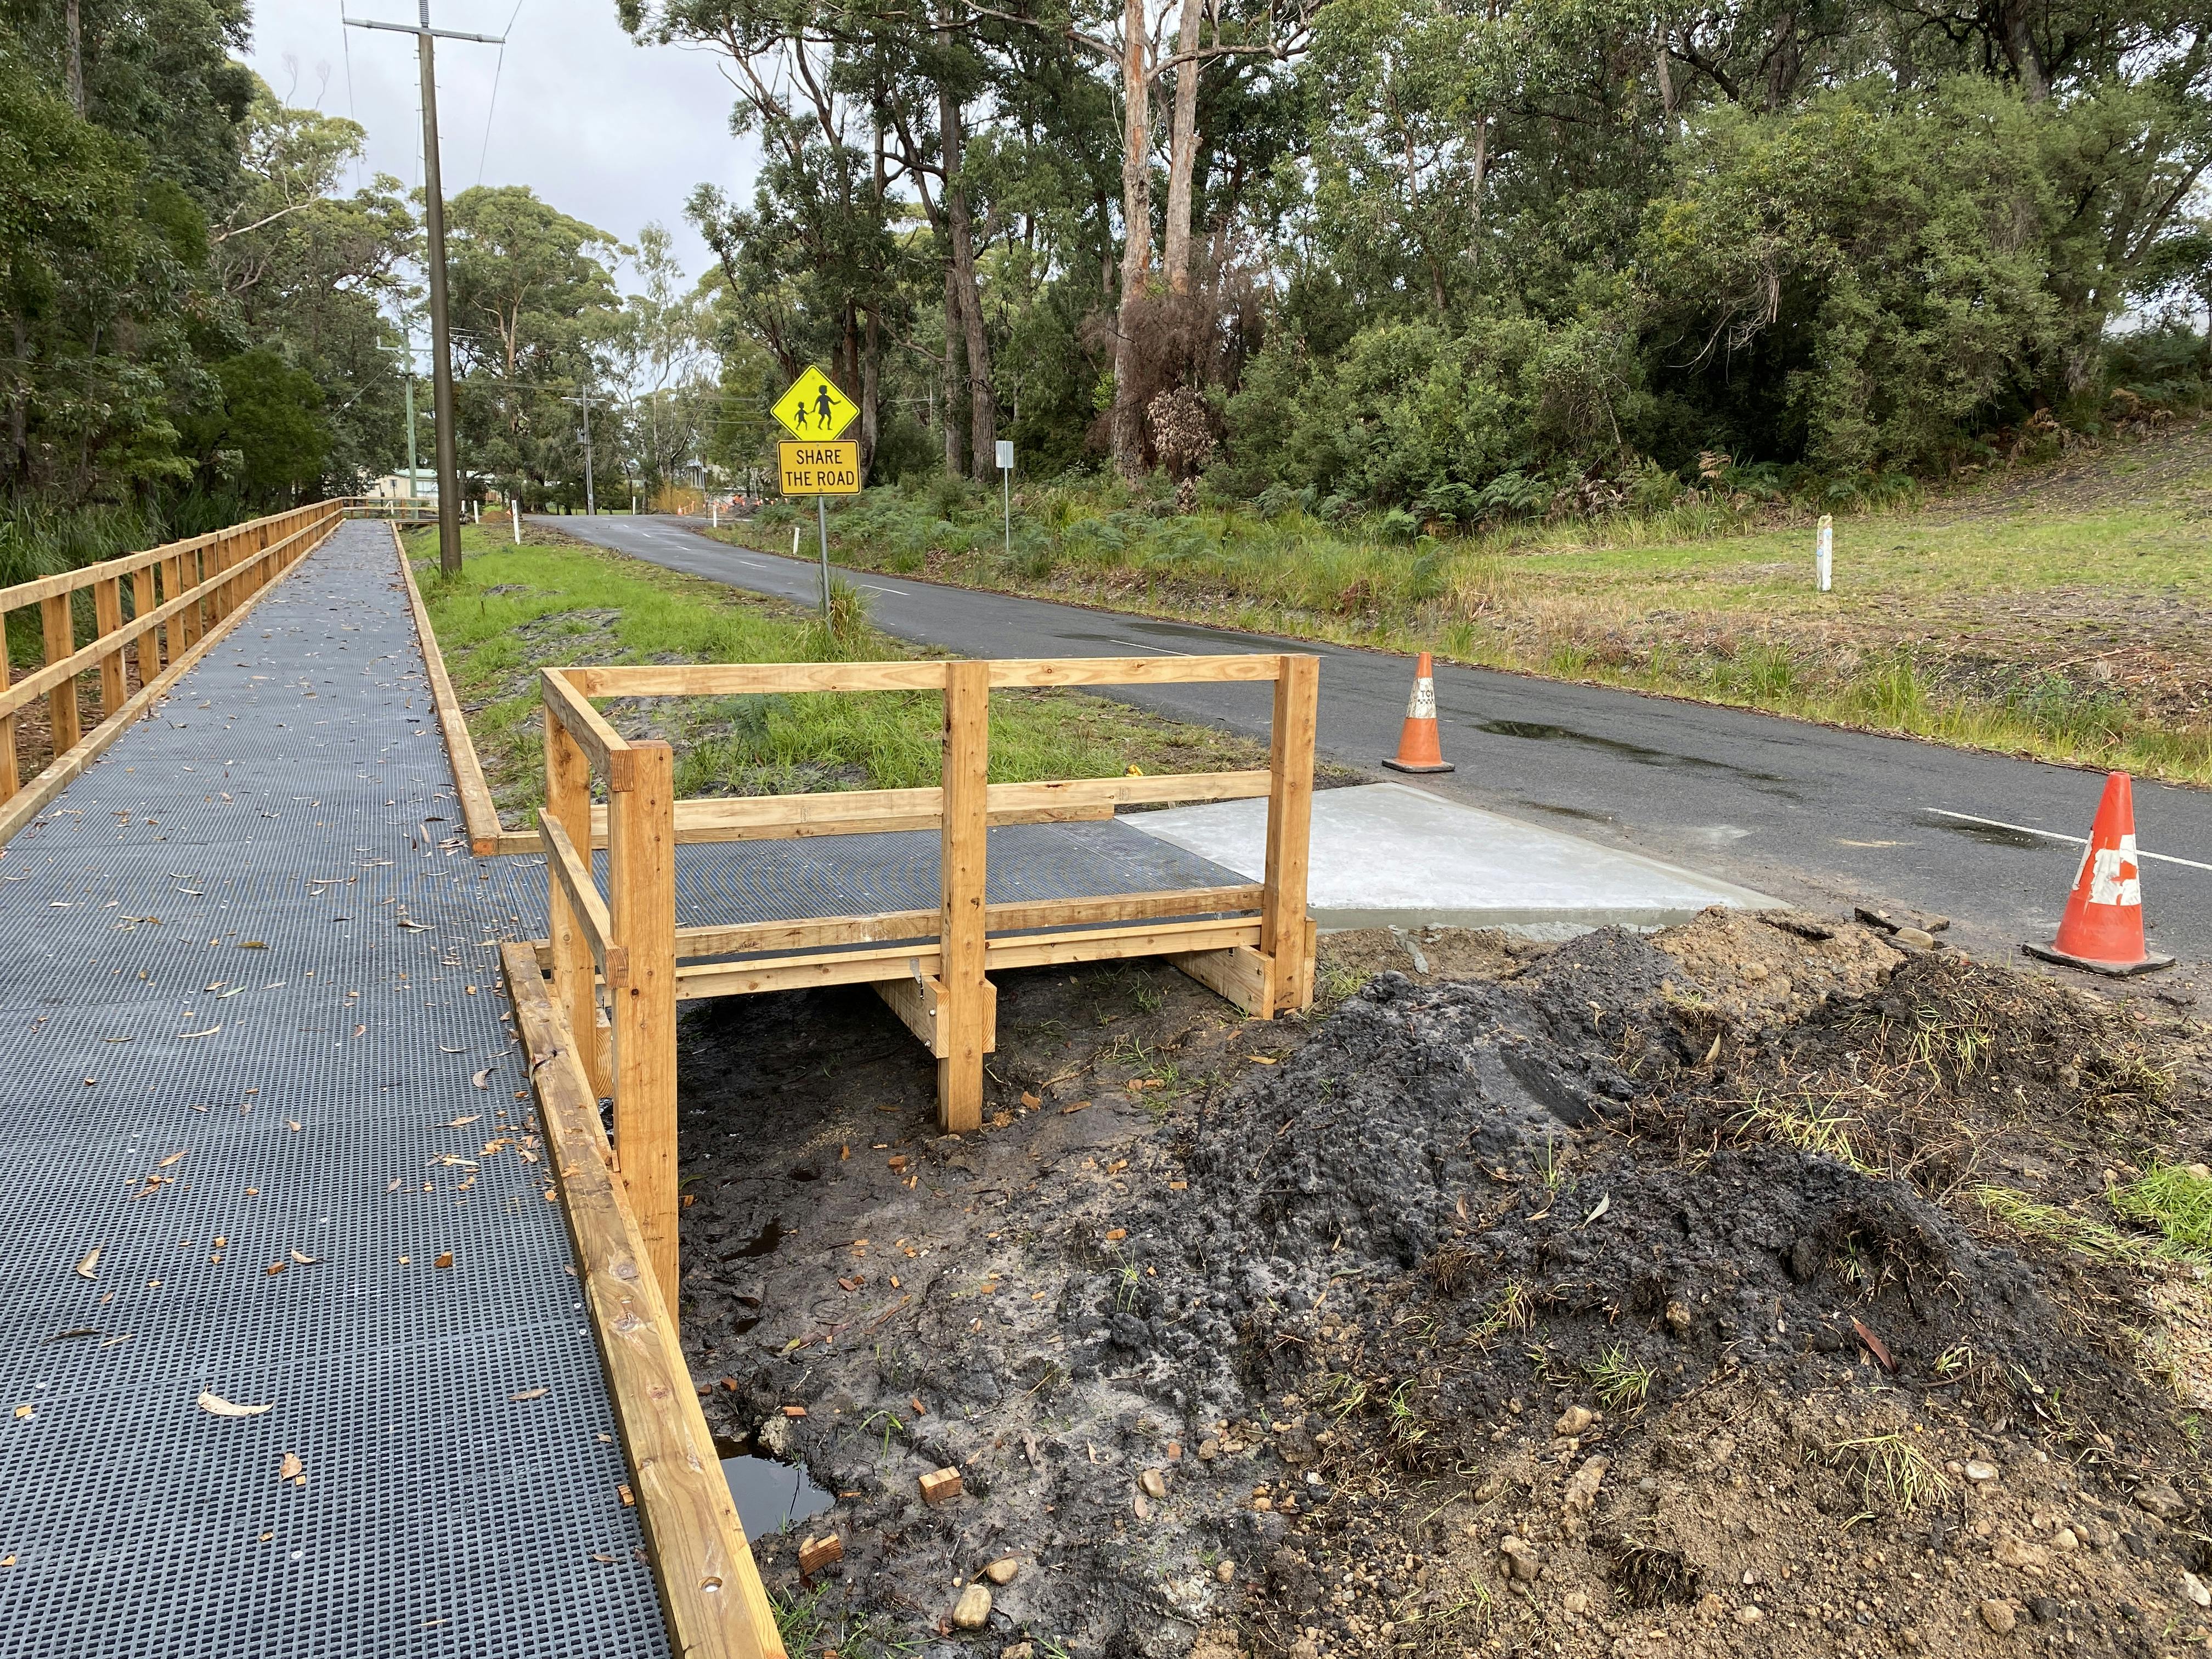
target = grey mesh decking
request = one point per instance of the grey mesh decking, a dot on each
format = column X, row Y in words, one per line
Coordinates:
column 252, row 935
column 440, row 1513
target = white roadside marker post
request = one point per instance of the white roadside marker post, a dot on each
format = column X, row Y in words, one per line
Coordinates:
column 1824, row 554
column 514, row 511
column 1006, row 489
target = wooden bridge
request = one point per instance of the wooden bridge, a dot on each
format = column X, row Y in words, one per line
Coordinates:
column 339, row 1325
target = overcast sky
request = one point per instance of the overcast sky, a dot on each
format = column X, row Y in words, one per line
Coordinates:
column 611, row 132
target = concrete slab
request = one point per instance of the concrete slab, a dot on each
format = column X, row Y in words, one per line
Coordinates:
column 1387, row 855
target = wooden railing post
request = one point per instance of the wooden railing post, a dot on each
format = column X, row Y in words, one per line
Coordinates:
column 569, row 803
column 1290, row 824
column 149, row 642
column 963, row 1005
column 61, row 701
column 107, row 618
column 641, row 991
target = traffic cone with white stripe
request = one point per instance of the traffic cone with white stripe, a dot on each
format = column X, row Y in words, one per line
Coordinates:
column 1419, row 750
column 2103, row 929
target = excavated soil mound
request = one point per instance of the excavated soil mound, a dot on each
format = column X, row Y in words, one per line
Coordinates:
column 1652, row 1295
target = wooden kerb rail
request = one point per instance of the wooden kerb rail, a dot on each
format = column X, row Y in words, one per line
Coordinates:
column 623, row 951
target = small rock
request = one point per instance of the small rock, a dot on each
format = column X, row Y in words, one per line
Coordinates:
column 2196, row 1589
column 1002, row 1570
column 1225, row 1572
column 2160, row 1500
column 1305, row 1648
column 2065, row 1539
column 1574, row 1601
column 1998, row 1616
column 1582, row 1485
column 1574, row 1421
column 2011, row 1552
column 1019, row 1650
column 1154, row 1483
column 1522, row 1558
column 1678, row 1318
column 1208, row 1450
column 1918, row 939
column 1749, row 1615
column 974, row 1608
column 1144, row 1509
column 1978, row 1471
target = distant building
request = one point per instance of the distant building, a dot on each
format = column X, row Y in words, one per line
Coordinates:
column 395, row 487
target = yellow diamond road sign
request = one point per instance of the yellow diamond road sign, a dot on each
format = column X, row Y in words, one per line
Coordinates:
column 811, row 407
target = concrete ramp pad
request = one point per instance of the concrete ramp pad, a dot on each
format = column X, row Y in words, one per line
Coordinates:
column 1385, row 855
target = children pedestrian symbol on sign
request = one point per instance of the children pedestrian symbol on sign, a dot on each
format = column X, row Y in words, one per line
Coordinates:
column 813, row 407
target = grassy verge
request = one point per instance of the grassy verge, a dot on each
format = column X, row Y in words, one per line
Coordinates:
column 551, row 602
column 2058, row 613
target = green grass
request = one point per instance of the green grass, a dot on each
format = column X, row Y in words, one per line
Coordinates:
column 2082, row 1235
column 2177, row 1203
column 2053, row 613
column 514, row 610
column 1895, row 1475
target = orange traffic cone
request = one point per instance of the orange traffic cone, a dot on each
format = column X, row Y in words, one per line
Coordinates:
column 2102, row 929
column 1418, row 748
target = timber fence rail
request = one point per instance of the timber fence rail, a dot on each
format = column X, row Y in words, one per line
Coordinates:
column 156, row 613
column 621, row 951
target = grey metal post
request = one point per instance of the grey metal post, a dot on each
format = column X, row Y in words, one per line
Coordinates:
column 821, row 520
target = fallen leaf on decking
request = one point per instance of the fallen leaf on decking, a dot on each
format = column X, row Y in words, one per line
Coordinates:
column 90, row 1261
column 215, row 1406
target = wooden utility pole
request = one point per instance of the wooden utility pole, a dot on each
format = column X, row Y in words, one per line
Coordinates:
column 434, row 225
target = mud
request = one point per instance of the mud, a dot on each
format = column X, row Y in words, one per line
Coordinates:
column 1639, row 1295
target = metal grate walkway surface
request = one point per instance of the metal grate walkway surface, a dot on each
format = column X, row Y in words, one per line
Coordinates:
column 267, row 1138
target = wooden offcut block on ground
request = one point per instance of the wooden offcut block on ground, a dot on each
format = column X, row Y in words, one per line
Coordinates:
column 941, row 1485
column 816, row 1554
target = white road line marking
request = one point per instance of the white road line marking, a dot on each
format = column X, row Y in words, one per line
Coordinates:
column 2052, row 834
column 1162, row 649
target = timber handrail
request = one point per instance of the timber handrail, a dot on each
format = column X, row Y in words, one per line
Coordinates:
column 181, row 596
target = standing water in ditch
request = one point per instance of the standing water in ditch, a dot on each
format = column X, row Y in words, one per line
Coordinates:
column 769, row 1494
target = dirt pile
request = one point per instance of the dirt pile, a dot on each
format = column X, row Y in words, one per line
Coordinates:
column 1647, row 1295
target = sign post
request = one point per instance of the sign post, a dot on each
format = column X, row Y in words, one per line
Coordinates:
column 1006, row 489
column 816, row 460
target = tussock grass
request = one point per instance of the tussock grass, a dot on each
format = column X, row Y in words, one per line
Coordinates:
column 2171, row 1199
column 1896, row 1476
column 2082, row 1235
column 1620, row 1384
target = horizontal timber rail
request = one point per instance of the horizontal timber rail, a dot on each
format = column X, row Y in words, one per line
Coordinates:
column 622, row 949
column 146, row 616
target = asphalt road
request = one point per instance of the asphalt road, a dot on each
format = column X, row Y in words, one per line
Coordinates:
column 1809, row 814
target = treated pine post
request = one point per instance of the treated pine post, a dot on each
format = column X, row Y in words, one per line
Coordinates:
column 568, row 804
column 11, row 778
column 963, row 1006
column 149, row 643
column 184, row 627
column 641, row 991
column 1290, row 828
column 61, row 640
column 107, row 616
